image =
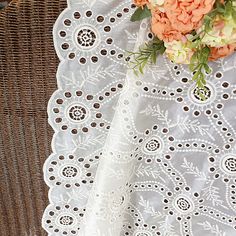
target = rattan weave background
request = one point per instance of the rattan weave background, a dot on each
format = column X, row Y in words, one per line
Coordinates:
column 28, row 65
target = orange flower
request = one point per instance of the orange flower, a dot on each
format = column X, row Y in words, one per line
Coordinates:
column 162, row 28
column 140, row 3
column 186, row 15
column 220, row 52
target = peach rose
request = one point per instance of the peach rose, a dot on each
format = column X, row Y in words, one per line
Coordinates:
column 141, row 3
column 220, row 52
column 186, row 15
column 162, row 28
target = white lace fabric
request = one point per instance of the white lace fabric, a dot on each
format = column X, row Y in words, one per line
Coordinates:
column 138, row 156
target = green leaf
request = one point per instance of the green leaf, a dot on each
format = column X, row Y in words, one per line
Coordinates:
column 234, row 15
column 207, row 68
column 154, row 58
column 196, row 76
column 205, row 54
column 140, row 14
column 147, row 53
column 162, row 50
column 228, row 7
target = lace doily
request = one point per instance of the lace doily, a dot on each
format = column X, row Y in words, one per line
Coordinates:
column 136, row 156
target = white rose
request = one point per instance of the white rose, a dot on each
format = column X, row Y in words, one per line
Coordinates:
column 179, row 52
column 159, row 4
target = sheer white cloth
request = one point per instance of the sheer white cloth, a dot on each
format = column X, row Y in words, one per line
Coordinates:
column 138, row 156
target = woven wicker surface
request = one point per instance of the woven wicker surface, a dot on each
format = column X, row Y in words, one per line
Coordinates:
column 28, row 65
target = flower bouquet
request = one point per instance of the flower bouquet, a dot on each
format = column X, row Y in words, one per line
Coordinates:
column 191, row 32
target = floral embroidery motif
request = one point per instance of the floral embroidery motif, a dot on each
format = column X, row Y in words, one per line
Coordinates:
column 87, row 37
column 77, row 113
column 229, row 164
column 183, row 204
column 153, row 146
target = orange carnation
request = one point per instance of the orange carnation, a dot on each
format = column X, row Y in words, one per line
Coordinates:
column 220, row 52
column 140, row 3
column 162, row 28
column 186, row 15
